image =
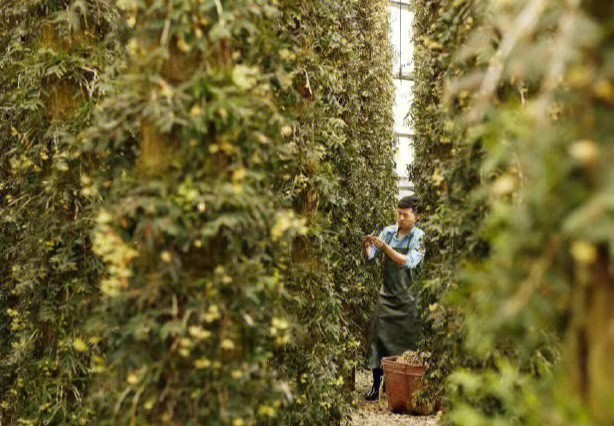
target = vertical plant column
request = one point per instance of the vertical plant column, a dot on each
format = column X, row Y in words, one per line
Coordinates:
column 446, row 171
column 194, row 234
column 365, row 161
column 55, row 60
column 536, row 98
column 588, row 226
column 343, row 183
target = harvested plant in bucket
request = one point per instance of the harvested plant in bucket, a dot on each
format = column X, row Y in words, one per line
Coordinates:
column 403, row 376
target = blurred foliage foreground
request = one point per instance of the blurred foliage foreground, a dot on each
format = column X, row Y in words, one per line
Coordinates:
column 184, row 187
column 514, row 115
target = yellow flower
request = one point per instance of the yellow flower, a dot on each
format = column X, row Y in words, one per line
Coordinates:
column 239, row 174
column 202, row 363
column 266, row 410
column 182, row 45
column 504, row 185
column 196, row 110
column 584, row 151
column 583, row 252
column 280, row 323
column 166, row 256
column 286, row 130
column 227, row 344
column 79, row 345
column 213, row 314
column 132, row 47
column 244, row 76
column 149, row 404
column 283, row 222
column 604, row 89
column 127, row 5
column 104, row 217
column 199, row 333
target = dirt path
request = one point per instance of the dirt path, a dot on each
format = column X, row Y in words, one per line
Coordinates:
column 376, row 413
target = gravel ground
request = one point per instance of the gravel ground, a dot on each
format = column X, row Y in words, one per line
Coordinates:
column 376, row 413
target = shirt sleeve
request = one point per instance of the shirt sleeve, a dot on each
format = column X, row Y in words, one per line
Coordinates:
column 374, row 251
column 416, row 252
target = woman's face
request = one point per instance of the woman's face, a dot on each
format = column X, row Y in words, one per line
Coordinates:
column 406, row 218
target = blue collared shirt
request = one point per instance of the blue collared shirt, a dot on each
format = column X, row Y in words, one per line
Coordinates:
column 413, row 242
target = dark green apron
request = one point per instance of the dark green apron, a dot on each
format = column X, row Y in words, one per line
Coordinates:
column 396, row 326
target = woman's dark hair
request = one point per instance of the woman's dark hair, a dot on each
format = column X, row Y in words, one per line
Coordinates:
column 409, row 201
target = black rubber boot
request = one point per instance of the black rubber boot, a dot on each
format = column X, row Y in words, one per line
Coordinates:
column 373, row 394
